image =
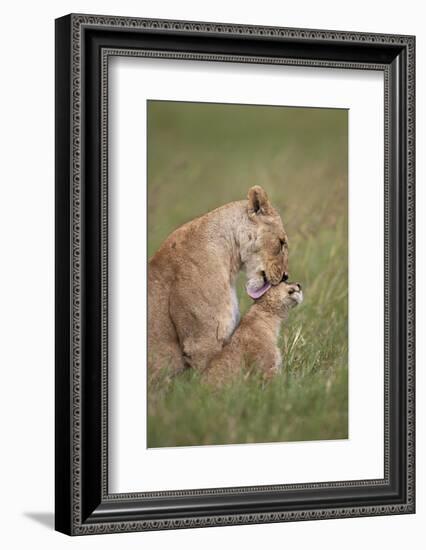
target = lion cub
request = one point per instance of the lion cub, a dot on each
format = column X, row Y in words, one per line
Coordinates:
column 254, row 342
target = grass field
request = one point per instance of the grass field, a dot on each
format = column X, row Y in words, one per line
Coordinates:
column 202, row 156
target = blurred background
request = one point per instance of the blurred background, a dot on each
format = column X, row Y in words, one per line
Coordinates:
column 201, row 156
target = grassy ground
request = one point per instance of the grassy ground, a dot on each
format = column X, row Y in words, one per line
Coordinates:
column 202, row 156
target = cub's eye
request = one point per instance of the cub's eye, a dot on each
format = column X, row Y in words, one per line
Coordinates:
column 283, row 243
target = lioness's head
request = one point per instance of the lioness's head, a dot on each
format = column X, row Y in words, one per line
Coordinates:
column 264, row 247
column 279, row 299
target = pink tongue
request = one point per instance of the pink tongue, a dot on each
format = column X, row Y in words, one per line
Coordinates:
column 255, row 294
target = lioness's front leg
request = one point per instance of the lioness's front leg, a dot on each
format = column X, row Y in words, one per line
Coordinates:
column 205, row 341
column 201, row 332
column 197, row 352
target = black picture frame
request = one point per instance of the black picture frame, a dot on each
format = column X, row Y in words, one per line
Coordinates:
column 83, row 45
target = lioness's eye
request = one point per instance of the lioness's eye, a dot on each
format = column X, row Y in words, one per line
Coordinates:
column 283, row 242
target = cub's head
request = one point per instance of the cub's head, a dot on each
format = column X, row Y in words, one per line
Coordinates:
column 264, row 245
column 280, row 298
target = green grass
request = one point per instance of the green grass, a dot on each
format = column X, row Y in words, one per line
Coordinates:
column 202, row 156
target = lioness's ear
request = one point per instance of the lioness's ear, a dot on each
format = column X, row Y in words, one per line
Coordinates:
column 258, row 200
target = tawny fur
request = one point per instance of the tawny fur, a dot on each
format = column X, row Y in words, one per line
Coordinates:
column 254, row 343
column 192, row 305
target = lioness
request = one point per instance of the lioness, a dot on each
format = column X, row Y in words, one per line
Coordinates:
column 192, row 302
column 254, row 342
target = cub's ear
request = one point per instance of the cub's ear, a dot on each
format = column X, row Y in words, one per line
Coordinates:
column 258, row 202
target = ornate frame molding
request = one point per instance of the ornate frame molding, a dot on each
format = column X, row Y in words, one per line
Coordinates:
column 73, row 48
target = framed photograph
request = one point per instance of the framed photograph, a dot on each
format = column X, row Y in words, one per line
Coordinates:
column 234, row 274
